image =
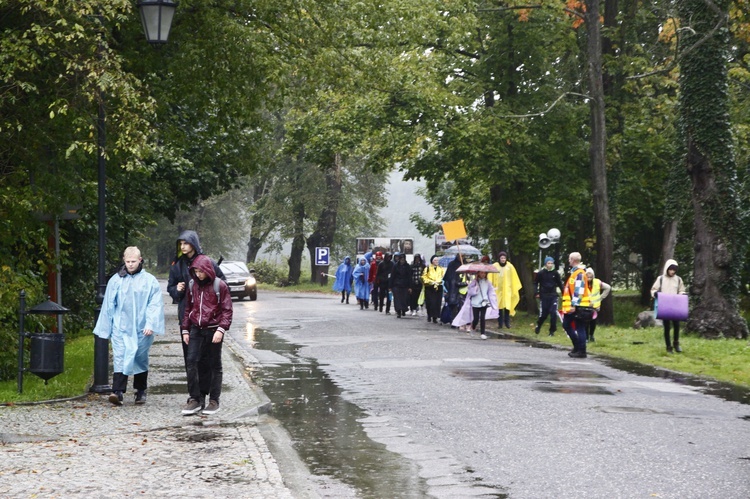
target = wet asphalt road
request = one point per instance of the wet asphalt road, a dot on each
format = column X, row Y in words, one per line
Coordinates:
column 499, row 418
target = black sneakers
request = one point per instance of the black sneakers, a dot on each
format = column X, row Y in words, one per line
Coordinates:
column 140, row 397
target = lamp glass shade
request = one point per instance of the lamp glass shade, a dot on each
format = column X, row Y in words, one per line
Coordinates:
column 156, row 17
column 553, row 235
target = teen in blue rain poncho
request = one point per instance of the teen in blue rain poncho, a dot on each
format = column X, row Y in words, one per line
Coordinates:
column 132, row 313
column 361, row 286
column 343, row 281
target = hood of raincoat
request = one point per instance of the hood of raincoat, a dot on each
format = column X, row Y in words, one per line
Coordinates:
column 202, row 262
column 668, row 264
column 190, row 237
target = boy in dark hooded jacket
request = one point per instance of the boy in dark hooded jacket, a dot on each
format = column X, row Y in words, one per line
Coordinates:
column 207, row 317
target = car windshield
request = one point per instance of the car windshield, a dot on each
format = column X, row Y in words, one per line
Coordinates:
column 234, row 268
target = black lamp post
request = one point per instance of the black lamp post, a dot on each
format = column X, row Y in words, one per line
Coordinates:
column 156, row 17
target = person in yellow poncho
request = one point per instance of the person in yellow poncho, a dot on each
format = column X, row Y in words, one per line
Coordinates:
column 507, row 288
column 432, row 277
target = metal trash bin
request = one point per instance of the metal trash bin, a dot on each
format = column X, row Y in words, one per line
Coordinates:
column 47, row 354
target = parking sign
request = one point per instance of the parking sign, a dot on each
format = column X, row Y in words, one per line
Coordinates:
column 321, row 256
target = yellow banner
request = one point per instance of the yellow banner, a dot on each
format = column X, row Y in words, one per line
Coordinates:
column 454, row 230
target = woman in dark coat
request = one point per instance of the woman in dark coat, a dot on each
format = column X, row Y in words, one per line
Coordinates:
column 417, row 267
column 401, row 285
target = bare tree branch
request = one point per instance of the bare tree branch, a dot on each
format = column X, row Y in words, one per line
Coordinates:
column 542, row 113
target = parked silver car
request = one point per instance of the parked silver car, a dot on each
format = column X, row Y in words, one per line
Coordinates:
column 241, row 281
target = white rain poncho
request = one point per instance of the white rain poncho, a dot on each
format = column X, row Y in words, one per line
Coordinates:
column 132, row 303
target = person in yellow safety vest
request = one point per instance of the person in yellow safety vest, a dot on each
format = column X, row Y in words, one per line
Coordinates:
column 507, row 288
column 599, row 291
column 575, row 294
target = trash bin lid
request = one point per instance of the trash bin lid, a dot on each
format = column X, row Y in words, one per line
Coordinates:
column 48, row 307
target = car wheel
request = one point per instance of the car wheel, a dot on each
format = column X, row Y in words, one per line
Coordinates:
column 253, row 296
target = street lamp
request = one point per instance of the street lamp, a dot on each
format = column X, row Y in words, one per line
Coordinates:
column 156, row 17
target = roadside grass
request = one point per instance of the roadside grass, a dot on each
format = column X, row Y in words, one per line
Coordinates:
column 74, row 381
column 722, row 359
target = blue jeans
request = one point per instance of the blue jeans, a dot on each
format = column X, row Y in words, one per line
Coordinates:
column 202, row 349
column 576, row 330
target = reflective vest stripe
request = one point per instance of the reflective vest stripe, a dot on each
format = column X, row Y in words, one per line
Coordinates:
column 595, row 296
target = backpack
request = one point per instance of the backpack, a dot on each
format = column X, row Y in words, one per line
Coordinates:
column 217, row 282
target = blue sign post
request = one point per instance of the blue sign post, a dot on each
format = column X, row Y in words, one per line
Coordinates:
column 322, row 256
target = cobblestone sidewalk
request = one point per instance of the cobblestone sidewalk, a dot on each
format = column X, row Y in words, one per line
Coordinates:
column 90, row 448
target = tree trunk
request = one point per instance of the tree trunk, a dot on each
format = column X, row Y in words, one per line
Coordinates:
column 668, row 244
column 653, row 258
column 253, row 247
column 597, row 156
column 325, row 229
column 523, row 267
column 165, row 255
column 298, row 244
column 720, row 235
column 259, row 226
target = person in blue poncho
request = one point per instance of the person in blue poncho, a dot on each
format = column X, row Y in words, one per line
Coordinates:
column 132, row 313
column 361, row 286
column 343, row 280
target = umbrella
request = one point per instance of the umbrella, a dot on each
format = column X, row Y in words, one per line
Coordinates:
column 473, row 268
column 445, row 260
column 464, row 249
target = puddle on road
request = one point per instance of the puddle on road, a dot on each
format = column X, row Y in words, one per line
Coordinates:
column 726, row 391
column 325, row 428
column 549, row 379
column 576, row 389
column 515, row 371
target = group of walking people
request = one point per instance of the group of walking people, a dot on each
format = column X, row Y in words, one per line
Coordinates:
column 463, row 300
column 467, row 300
column 383, row 281
column 132, row 313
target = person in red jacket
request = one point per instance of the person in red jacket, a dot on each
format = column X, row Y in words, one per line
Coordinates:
column 374, row 292
column 207, row 317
